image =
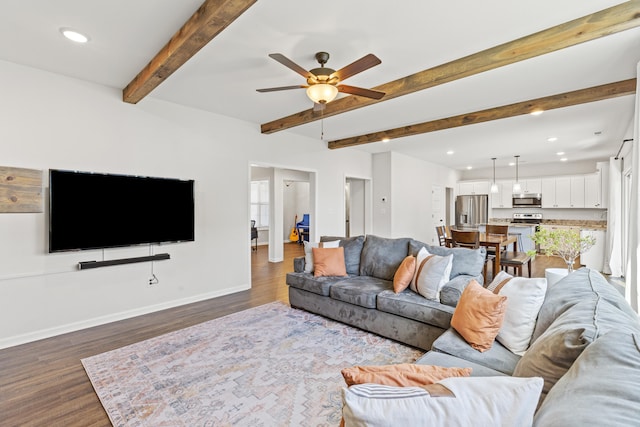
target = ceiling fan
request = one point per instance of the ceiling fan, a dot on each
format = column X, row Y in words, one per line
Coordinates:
column 323, row 83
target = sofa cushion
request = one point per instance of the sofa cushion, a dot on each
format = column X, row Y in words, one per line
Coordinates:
column 479, row 316
column 497, row 357
column 602, row 384
column 524, row 299
column 308, row 252
column 441, row 359
column 404, row 274
column 431, row 274
column 469, row 262
column 489, row 401
column 401, row 374
column 382, row 256
column 452, row 291
column 317, row 285
column 413, row 306
column 328, row 262
column 553, row 353
column 360, row 290
column 352, row 251
column 577, row 287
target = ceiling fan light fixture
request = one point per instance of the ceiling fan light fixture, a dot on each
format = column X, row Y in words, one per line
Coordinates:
column 322, row 93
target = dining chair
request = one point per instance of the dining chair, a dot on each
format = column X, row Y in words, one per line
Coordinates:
column 465, row 239
column 442, row 234
column 496, row 230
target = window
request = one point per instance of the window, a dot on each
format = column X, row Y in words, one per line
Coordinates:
column 260, row 203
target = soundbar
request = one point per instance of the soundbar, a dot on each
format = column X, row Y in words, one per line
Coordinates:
column 85, row 265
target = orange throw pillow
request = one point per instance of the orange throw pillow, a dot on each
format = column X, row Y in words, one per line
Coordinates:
column 479, row 315
column 401, row 375
column 329, row 262
column 404, row 274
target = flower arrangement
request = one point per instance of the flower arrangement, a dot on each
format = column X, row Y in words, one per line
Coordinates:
column 564, row 242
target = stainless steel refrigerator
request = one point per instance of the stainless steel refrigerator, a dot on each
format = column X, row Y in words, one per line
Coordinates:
column 471, row 211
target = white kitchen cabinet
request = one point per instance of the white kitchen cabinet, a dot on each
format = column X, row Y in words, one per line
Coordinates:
column 556, row 192
column 593, row 191
column 577, row 192
column 531, row 186
column 504, row 196
column 594, row 257
column 473, row 187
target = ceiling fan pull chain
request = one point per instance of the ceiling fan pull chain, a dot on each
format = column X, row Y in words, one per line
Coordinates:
column 322, row 125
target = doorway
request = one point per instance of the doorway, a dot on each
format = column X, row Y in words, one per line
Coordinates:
column 355, row 206
column 289, row 193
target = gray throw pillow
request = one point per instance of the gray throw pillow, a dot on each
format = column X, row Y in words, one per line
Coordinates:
column 382, row 256
column 352, row 251
column 552, row 354
column 600, row 388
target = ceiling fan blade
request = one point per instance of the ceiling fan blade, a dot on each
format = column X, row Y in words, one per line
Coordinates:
column 273, row 89
column 290, row 64
column 367, row 93
column 356, row 67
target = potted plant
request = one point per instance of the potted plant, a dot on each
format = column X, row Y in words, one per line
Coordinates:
column 564, row 242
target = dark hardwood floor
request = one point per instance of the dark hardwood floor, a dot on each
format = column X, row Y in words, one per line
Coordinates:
column 44, row 384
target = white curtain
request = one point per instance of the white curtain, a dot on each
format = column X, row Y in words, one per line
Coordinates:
column 613, row 261
column 633, row 253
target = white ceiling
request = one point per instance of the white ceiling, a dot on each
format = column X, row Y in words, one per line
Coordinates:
column 416, row 35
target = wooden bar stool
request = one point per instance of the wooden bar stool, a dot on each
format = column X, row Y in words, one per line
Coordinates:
column 516, row 260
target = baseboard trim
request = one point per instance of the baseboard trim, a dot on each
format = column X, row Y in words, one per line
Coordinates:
column 102, row 320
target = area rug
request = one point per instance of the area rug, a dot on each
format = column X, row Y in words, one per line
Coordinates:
column 271, row 365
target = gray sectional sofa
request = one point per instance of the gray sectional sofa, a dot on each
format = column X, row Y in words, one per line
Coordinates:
column 585, row 345
column 365, row 298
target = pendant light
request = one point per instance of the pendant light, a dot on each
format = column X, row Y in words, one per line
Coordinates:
column 516, row 187
column 494, row 186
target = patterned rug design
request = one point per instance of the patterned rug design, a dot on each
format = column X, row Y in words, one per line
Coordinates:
column 267, row 366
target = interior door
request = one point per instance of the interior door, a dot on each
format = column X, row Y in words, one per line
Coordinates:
column 438, row 211
column 354, row 207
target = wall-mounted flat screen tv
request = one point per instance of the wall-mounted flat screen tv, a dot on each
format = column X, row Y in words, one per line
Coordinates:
column 95, row 210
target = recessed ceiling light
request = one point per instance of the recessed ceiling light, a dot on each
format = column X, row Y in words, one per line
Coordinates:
column 552, row 139
column 536, row 112
column 385, row 139
column 564, row 159
column 450, row 152
column 74, row 35
column 560, row 153
column 469, row 168
column 512, row 164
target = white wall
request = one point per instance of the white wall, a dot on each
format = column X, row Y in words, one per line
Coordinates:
column 407, row 213
column 51, row 121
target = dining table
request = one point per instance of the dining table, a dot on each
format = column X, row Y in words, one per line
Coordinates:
column 496, row 241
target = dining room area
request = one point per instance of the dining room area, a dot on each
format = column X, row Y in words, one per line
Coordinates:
column 504, row 252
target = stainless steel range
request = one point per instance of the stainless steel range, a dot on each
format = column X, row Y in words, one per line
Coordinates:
column 527, row 218
column 524, row 225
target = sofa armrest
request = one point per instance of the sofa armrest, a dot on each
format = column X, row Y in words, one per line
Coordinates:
column 298, row 264
column 452, row 290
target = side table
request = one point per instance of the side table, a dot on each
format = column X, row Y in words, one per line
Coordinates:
column 553, row 275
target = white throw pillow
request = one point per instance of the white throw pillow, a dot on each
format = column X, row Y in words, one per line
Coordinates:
column 432, row 273
column 524, row 299
column 477, row 401
column 308, row 253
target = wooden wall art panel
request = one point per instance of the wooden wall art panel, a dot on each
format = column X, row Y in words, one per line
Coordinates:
column 20, row 190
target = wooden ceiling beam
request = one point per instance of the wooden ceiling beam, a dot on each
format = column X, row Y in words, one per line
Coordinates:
column 603, row 23
column 208, row 21
column 582, row 96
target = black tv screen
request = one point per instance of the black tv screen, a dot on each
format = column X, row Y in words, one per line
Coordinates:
column 94, row 210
